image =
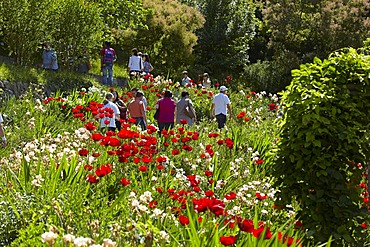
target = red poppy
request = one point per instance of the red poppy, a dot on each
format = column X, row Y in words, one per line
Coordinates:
column 246, row 226
column 103, row 170
column 97, row 136
column 143, row 168
column 153, row 204
column 261, row 196
column 83, row 152
column 88, row 167
column 364, row 226
column 230, row 196
column 90, row 126
column 228, row 240
column 114, row 142
column 209, row 193
column 258, row 232
column 92, row 179
column 125, row 181
column 175, row 152
column 183, row 121
column 184, row 220
column 208, row 173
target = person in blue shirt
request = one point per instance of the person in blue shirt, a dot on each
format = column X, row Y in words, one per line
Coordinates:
column 49, row 58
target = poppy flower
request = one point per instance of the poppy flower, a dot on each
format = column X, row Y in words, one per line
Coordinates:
column 92, row 179
column 258, row 232
column 88, row 167
column 209, row 193
column 143, row 168
column 83, row 152
column 227, row 240
column 175, row 152
column 261, row 196
column 183, row 121
column 230, row 196
column 125, row 182
column 103, row 170
column 208, row 173
column 184, row 220
column 90, row 126
column 153, row 204
column 246, row 226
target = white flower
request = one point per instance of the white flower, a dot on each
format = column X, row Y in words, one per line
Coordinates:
column 108, row 243
column 157, row 212
column 68, row 239
column 263, row 211
column 164, row 235
column 135, row 203
column 82, row 242
column 49, row 237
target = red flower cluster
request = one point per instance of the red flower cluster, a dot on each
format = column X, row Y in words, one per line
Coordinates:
column 103, row 170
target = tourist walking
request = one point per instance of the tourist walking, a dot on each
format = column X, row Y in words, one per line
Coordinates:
column 167, row 107
column 108, row 57
column 136, row 110
column 49, row 58
column 111, row 113
column 185, row 110
column 147, row 66
column 135, row 64
column 133, row 93
column 220, row 107
column 122, row 109
column 2, row 133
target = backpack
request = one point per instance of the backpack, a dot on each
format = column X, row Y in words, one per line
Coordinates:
column 108, row 56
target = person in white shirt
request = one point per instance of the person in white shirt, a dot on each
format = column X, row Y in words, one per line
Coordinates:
column 111, row 113
column 135, row 64
column 2, row 134
column 220, row 107
column 186, row 81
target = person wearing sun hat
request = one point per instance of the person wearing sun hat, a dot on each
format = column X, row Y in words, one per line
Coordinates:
column 221, row 107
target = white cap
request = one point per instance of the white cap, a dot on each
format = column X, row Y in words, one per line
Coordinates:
column 223, row 88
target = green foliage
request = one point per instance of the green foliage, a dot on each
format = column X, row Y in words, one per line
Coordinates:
column 224, row 40
column 323, row 136
column 169, row 37
column 271, row 76
column 74, row 29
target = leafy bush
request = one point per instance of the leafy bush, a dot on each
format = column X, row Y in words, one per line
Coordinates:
column 323, row 143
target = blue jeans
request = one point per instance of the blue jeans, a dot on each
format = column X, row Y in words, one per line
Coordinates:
column 140, row 121
column 109, row 69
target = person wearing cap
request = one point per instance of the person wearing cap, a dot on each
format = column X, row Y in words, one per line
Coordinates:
column 186, row 80
column 220, row 107
column 2, row 134
column 206, row 83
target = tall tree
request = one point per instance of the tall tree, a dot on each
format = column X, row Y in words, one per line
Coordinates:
column 224, row 40
column 306, row 29
column 169, row 36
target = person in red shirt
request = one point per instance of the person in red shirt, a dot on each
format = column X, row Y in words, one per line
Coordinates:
column 108, row 57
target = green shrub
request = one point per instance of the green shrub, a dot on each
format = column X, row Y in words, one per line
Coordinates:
column 323, row 137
